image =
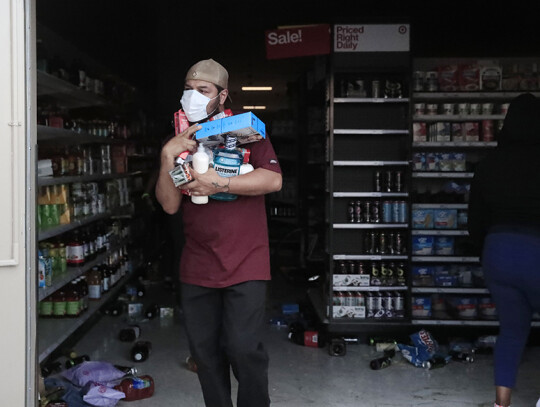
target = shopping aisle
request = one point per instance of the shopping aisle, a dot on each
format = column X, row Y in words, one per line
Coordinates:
column 301, row 376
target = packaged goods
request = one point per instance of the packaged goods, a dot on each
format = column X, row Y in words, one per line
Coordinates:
column 422, row 276
column 422, row 245
column 421, row 307
column 246, row 127
column 442, row 131
column 422, row 218
column 419, row 132
column 445, row 161
column 419, row 161
column 445, row 218
column 486, row 308
column 346, row 311
column 457, row 132
column 469, row 78
column 444, row 245
column 136, row 388
column 445, row 278
column 448, row 78
column 471, row 131
column 462, row 307
column 459, row 162
column 491, row 78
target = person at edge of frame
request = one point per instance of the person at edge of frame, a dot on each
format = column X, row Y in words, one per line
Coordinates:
column 225, row 262
column 504, row 222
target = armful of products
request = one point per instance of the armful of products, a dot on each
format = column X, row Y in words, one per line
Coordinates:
column 218, row 140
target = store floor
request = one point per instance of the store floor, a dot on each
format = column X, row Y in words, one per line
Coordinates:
column 301, row 376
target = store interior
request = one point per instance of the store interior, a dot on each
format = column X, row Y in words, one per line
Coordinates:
column 141, row 51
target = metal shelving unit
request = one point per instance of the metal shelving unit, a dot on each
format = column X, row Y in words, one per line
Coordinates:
column 52, row 332
column 361, row 133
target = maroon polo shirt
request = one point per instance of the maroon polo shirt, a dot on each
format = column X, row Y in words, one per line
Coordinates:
column 226, row 242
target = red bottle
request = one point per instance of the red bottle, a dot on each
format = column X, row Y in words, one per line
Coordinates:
column 136, row 388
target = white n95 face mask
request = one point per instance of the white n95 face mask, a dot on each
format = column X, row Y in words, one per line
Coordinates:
column 194, row 105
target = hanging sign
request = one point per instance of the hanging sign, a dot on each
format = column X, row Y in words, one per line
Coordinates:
column 298, row 41
column 371, row 38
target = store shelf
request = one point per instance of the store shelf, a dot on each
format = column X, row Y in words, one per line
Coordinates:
column 449, row 290
column 369, row 163
column 368, row 257
column 371, row 225
column 454, row 322
column 371, row 288
column 58, row 230
column 53, row 332
column 434, row 174
column 44, row 181
column 370, row 131
column 439, row 232
column 371, row 100
column 370, row 194
column 439, row 206
column 439, row 96
column 456, row 117
column 66, row 94
column 57, row 135
column 460, row 144
column 71, row 273
column 444, row 259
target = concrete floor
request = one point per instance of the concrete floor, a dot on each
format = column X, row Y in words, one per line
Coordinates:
column 301, row 376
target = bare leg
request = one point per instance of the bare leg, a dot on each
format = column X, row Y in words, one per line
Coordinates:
column 503, row 395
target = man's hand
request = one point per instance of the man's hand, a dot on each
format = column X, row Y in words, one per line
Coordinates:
column 206, row 184
column 180, row 143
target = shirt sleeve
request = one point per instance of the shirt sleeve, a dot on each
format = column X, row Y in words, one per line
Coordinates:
column 263, row 155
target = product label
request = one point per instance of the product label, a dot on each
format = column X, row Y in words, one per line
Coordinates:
column 72, row 308
column 59, row 308
column 94, row 292
column 75, row 254
column 45, row 308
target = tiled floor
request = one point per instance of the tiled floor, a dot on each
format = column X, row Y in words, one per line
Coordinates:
column 301, row 376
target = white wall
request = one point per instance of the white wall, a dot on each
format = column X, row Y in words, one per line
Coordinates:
column 17, row 282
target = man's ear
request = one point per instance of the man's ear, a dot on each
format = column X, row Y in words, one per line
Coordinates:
column 223, row 96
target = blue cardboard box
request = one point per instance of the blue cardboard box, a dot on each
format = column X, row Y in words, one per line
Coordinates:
column 245, row 126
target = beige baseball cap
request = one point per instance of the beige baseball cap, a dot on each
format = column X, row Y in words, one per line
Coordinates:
column 210, row 71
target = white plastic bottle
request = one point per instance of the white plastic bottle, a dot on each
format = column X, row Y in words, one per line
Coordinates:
column 245, row 168
column 200, row 163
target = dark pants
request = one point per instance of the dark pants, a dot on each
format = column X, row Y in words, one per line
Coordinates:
column 511, row 262
column 224, row 328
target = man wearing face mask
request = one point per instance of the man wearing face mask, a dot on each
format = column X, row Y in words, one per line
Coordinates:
column 225, row 262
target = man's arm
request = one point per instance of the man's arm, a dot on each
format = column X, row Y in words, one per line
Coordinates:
column 167, row 194
column 258, row 182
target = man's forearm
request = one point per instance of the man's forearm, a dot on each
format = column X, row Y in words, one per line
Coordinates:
column 167, row 194
column 258, row 182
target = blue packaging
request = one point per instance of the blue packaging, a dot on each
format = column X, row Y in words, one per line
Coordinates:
column 422, row 276
column 422, row 218
column 445, row 218
column 422, row 245
column 444, row 246
column 246, row 127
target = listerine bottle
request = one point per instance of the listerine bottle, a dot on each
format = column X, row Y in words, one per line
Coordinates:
column 227, row 164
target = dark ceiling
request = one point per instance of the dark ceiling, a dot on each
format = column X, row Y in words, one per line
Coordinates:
column 153, row 43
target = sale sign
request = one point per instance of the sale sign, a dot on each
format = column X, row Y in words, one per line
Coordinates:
column 298, row 41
